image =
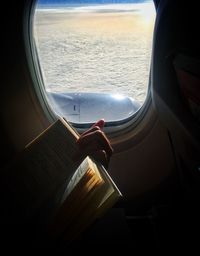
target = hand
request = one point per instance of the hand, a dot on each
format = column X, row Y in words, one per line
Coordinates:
column 94, row 142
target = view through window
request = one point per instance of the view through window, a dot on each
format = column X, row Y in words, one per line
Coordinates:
column 90, row 47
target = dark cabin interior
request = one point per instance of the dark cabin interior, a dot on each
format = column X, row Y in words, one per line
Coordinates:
column 165, row 219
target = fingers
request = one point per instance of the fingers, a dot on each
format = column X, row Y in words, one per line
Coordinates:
column 101, row 157
column 95, row 140
column 92, row 129
column 99, row 123
column 96, row 126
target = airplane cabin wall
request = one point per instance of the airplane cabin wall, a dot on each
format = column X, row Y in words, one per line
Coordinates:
column 177, row 33
column 20, row 114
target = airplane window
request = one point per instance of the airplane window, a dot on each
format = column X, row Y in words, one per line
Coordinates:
column 94, row 56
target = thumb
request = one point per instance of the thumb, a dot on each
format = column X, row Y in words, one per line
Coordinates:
column 100, row 123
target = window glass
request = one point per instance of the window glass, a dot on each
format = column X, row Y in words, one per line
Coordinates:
column 94, row 56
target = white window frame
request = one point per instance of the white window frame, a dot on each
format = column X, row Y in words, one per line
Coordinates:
column 119, row 132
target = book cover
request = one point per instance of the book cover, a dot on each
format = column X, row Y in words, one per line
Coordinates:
column 47, row 186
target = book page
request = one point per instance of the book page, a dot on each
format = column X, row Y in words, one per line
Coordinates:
column 73, row 205
column 77, row 176
column 112, row 194
column 101, row 197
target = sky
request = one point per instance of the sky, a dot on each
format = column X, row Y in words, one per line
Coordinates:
column 101, row 49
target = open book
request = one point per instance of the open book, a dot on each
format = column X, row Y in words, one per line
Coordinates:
column 48, row 185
